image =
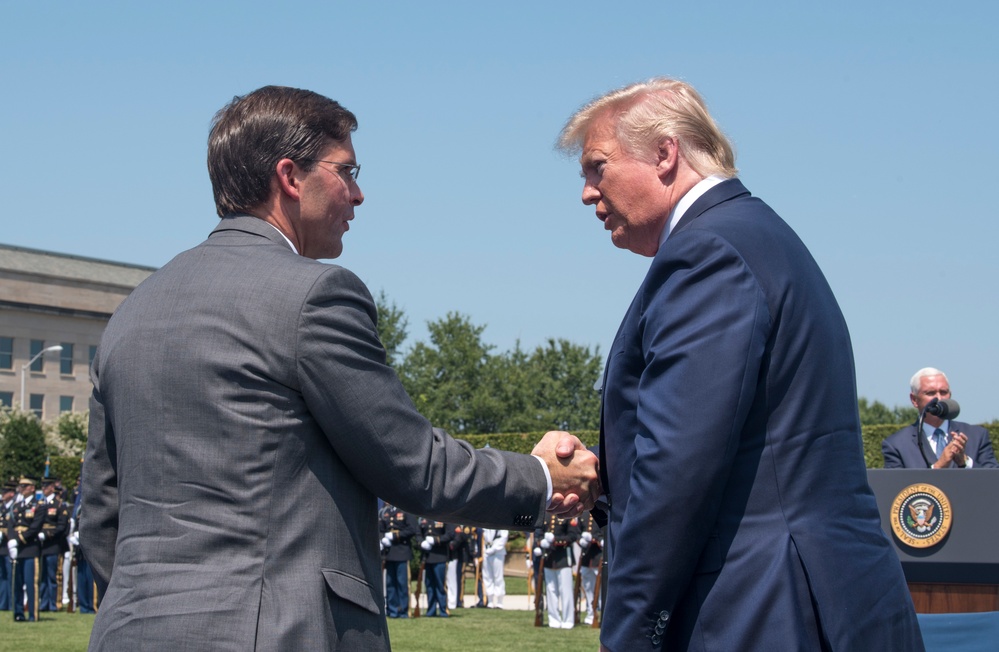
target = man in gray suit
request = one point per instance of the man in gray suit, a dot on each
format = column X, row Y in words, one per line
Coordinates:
column 243, row 419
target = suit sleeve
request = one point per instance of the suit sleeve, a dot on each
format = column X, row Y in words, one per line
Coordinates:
column 703, row 329
column 893, row 460
column 985, row 457
column 99, row 493
column 373, row 426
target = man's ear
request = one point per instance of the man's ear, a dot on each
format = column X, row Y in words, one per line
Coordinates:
column 289, row 178
column 668, row 155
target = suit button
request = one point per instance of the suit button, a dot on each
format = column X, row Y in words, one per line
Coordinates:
column 659, row 630
column 664, row 615
column 656, row 640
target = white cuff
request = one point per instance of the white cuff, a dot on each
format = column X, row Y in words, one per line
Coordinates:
column 548, row 480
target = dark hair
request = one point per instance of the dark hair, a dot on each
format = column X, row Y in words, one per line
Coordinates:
column 255, row 131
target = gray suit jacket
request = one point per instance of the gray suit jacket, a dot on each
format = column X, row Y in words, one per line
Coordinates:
column 242, row 423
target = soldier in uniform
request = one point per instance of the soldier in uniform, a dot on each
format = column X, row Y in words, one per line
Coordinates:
column 555, row 539
column 24, row 546
column 493, row 559
column 55, row 529
column 591, row 544
column 461, row 548
column 437, row 537
column 398, row 529
column 84, row 576
column 9, row 490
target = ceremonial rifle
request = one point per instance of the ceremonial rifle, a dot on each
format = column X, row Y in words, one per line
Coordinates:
column 419, row 584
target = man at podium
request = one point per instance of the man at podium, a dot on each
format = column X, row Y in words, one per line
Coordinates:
column 943, row 443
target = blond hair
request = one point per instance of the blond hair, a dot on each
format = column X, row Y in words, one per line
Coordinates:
column 647, row 112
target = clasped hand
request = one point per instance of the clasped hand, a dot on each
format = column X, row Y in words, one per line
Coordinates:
column 575, row 472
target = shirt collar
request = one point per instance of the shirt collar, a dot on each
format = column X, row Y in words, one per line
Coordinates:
column 701, row 187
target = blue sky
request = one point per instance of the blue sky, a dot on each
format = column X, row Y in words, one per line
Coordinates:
column 870, row 127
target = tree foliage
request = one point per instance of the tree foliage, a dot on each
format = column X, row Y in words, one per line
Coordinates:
column 460, row 385
column 392, row 327
column 22, row 444
column 872, row 414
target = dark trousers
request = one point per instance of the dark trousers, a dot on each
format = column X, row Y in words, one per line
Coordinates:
column 436, row 593
column 24, row 576
column 48, row 588
column 5, row 583
column 84, row 586
column 397, row 589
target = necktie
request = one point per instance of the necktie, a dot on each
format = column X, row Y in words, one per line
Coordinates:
column 939, row 441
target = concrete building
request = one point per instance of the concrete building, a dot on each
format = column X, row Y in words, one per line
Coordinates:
column 47, row 300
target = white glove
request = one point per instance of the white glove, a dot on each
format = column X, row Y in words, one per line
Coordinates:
column 386, row 541
column 429, row 539
column 74, row 538
column 549, row 537
column 12, row 548
column 584, row 541
column 426, row 545
column 67, row 554
column 41, row 537
column 537, row 552
column 546, row 544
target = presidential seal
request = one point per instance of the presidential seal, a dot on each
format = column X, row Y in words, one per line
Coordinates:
column 921, row 516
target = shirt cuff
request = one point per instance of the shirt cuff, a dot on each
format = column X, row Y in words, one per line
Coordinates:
column 548, row 481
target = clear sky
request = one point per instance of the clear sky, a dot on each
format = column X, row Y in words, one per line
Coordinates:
column 869, row 126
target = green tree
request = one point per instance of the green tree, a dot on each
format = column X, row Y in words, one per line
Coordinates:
column 22, row 444
column 876, row 413
column 69, row 433
column 552, row 389
column 451, row 379
column 392, row 327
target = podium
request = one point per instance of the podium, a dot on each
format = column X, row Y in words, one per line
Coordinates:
column 956, row 571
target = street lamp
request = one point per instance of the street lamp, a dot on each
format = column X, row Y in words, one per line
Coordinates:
column 24, row 367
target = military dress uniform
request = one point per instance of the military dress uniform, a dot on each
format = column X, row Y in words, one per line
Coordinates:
column 55, row 529
column 459, row 556
column 398, row 529
column 555, row 539
column 437, row 538
column 5, row 566
column 493, row 561
column 85, row 588
column 26, row 524
column 591, row 545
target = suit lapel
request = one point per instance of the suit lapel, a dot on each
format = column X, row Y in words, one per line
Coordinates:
column 723, row 192
column 927, row 448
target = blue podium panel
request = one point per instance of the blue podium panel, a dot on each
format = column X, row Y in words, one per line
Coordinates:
column 969, row 552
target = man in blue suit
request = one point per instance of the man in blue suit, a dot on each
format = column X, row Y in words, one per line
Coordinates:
column 740, row 516
column 946, row 443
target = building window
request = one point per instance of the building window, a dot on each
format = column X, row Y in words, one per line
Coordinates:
column 6, row 352
column 65, row 404
column 35, row 402
column 7, row 399
column 66, row 360
column 36, row 347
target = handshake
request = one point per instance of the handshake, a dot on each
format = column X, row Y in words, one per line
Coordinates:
column 574, row 470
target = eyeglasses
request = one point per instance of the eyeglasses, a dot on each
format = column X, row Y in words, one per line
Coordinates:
column 352, row 169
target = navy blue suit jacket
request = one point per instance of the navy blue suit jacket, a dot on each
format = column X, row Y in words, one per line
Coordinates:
column 741, row 517
column 901, row 450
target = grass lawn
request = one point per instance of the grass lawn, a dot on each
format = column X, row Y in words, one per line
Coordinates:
column 466, row 629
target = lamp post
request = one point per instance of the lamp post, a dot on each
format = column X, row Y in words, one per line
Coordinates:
column 24, row 367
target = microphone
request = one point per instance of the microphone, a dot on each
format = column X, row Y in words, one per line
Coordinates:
column 944, row 408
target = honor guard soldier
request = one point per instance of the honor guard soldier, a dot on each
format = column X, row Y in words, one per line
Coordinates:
column 85, row 589
column 24, row 547
column 493, row 561
column 9, row 490
column 398, row 529
column 462, row 554
column 437, row 537
column 53, row 541
column 591, row 544
column 556, row 539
